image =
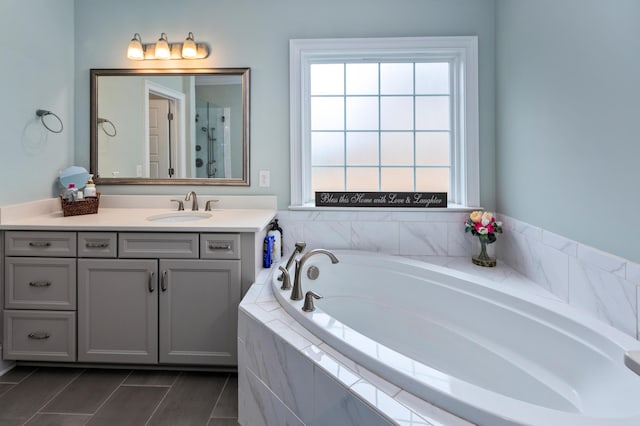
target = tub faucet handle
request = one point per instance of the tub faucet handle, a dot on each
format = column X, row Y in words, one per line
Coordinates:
column 286, row 279
column 308, row 301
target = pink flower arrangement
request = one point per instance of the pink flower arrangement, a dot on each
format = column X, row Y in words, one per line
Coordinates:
column 484, row 225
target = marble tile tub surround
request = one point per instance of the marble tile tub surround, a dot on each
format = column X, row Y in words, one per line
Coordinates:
column 598, row 283
column 405, row 233
column 286, row 375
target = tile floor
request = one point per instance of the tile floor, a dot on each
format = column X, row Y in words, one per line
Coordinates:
column 76, row 396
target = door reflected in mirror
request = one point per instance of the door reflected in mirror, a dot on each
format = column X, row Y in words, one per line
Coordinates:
column 170, row 126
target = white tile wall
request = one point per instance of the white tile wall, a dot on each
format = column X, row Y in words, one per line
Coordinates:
column 598, row 283
column 604, row 295
column 404, row 233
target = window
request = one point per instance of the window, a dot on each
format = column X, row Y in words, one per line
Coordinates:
column 384, row 115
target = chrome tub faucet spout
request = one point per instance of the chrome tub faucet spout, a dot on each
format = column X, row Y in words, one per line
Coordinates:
column 296, row 293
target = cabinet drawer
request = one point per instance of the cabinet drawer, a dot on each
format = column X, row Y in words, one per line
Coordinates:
column 220, row 246
column 39, row 335
column 97, row 244
column 158, row 246
column 31, row 243
column 40, row 283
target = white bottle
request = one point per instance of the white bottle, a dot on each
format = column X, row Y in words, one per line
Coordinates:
column 277, row 244
column 90, row 188
column 71, row 193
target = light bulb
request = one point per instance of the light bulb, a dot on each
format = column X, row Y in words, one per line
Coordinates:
column 135, row 51
column 162, row 47
column 189, row 49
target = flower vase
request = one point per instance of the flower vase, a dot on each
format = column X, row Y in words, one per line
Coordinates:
column 483, row 259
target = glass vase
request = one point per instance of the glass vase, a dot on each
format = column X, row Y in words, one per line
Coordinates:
column 483, row 258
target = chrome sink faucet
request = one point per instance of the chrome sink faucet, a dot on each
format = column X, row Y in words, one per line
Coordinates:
column 194, row 205
column 296, row 293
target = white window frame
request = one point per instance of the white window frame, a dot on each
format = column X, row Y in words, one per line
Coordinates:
column 461, row 52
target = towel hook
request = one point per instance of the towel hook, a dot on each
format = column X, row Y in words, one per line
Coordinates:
column 42, row 113
column 101, row 122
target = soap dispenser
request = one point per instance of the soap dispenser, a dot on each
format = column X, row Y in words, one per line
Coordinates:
column 90, row 188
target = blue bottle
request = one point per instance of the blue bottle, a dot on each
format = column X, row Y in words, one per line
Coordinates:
column 267, row 250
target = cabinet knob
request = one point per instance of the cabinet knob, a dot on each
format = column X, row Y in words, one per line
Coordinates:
column 40, row 283
column 38, row 335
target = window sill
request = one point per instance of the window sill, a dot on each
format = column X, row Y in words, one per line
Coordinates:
column 453, row 208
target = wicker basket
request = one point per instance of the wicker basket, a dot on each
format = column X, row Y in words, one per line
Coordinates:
column 75, row 208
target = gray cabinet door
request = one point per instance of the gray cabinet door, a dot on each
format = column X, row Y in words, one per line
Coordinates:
column 199, row 311
column 118, row 311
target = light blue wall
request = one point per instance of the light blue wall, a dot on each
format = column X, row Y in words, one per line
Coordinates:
column 568, row 114
column 564, row 73
column 36, row 41
column 255, row 34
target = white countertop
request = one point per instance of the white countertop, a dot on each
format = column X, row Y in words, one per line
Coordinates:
column 125, row 213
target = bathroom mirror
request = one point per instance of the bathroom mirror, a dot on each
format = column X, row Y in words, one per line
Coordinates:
column 170, row 126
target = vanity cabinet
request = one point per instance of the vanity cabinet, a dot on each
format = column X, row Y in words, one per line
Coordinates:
column 138, row 297
column 160, row 301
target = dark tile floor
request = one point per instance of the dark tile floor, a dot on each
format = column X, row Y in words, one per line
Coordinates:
column 75, row 396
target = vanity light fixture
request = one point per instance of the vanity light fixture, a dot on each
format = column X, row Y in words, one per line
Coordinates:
column 162, row 49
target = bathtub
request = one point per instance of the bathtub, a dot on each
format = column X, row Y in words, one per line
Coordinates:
column 488, row 355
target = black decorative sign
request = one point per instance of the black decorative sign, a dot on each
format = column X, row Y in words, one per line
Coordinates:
column 381, row 199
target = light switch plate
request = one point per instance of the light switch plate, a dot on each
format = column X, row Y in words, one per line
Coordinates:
column 265, row 178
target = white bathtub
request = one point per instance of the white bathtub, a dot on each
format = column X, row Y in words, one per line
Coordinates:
column 491, row 356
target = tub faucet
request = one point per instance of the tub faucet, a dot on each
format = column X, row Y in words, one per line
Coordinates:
column 194, row 205
column 298, row 248
column 296, row 293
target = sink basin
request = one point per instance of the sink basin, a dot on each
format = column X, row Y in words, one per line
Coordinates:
column 179, row 217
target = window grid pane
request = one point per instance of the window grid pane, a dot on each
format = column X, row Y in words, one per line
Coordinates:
column 397, row 139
